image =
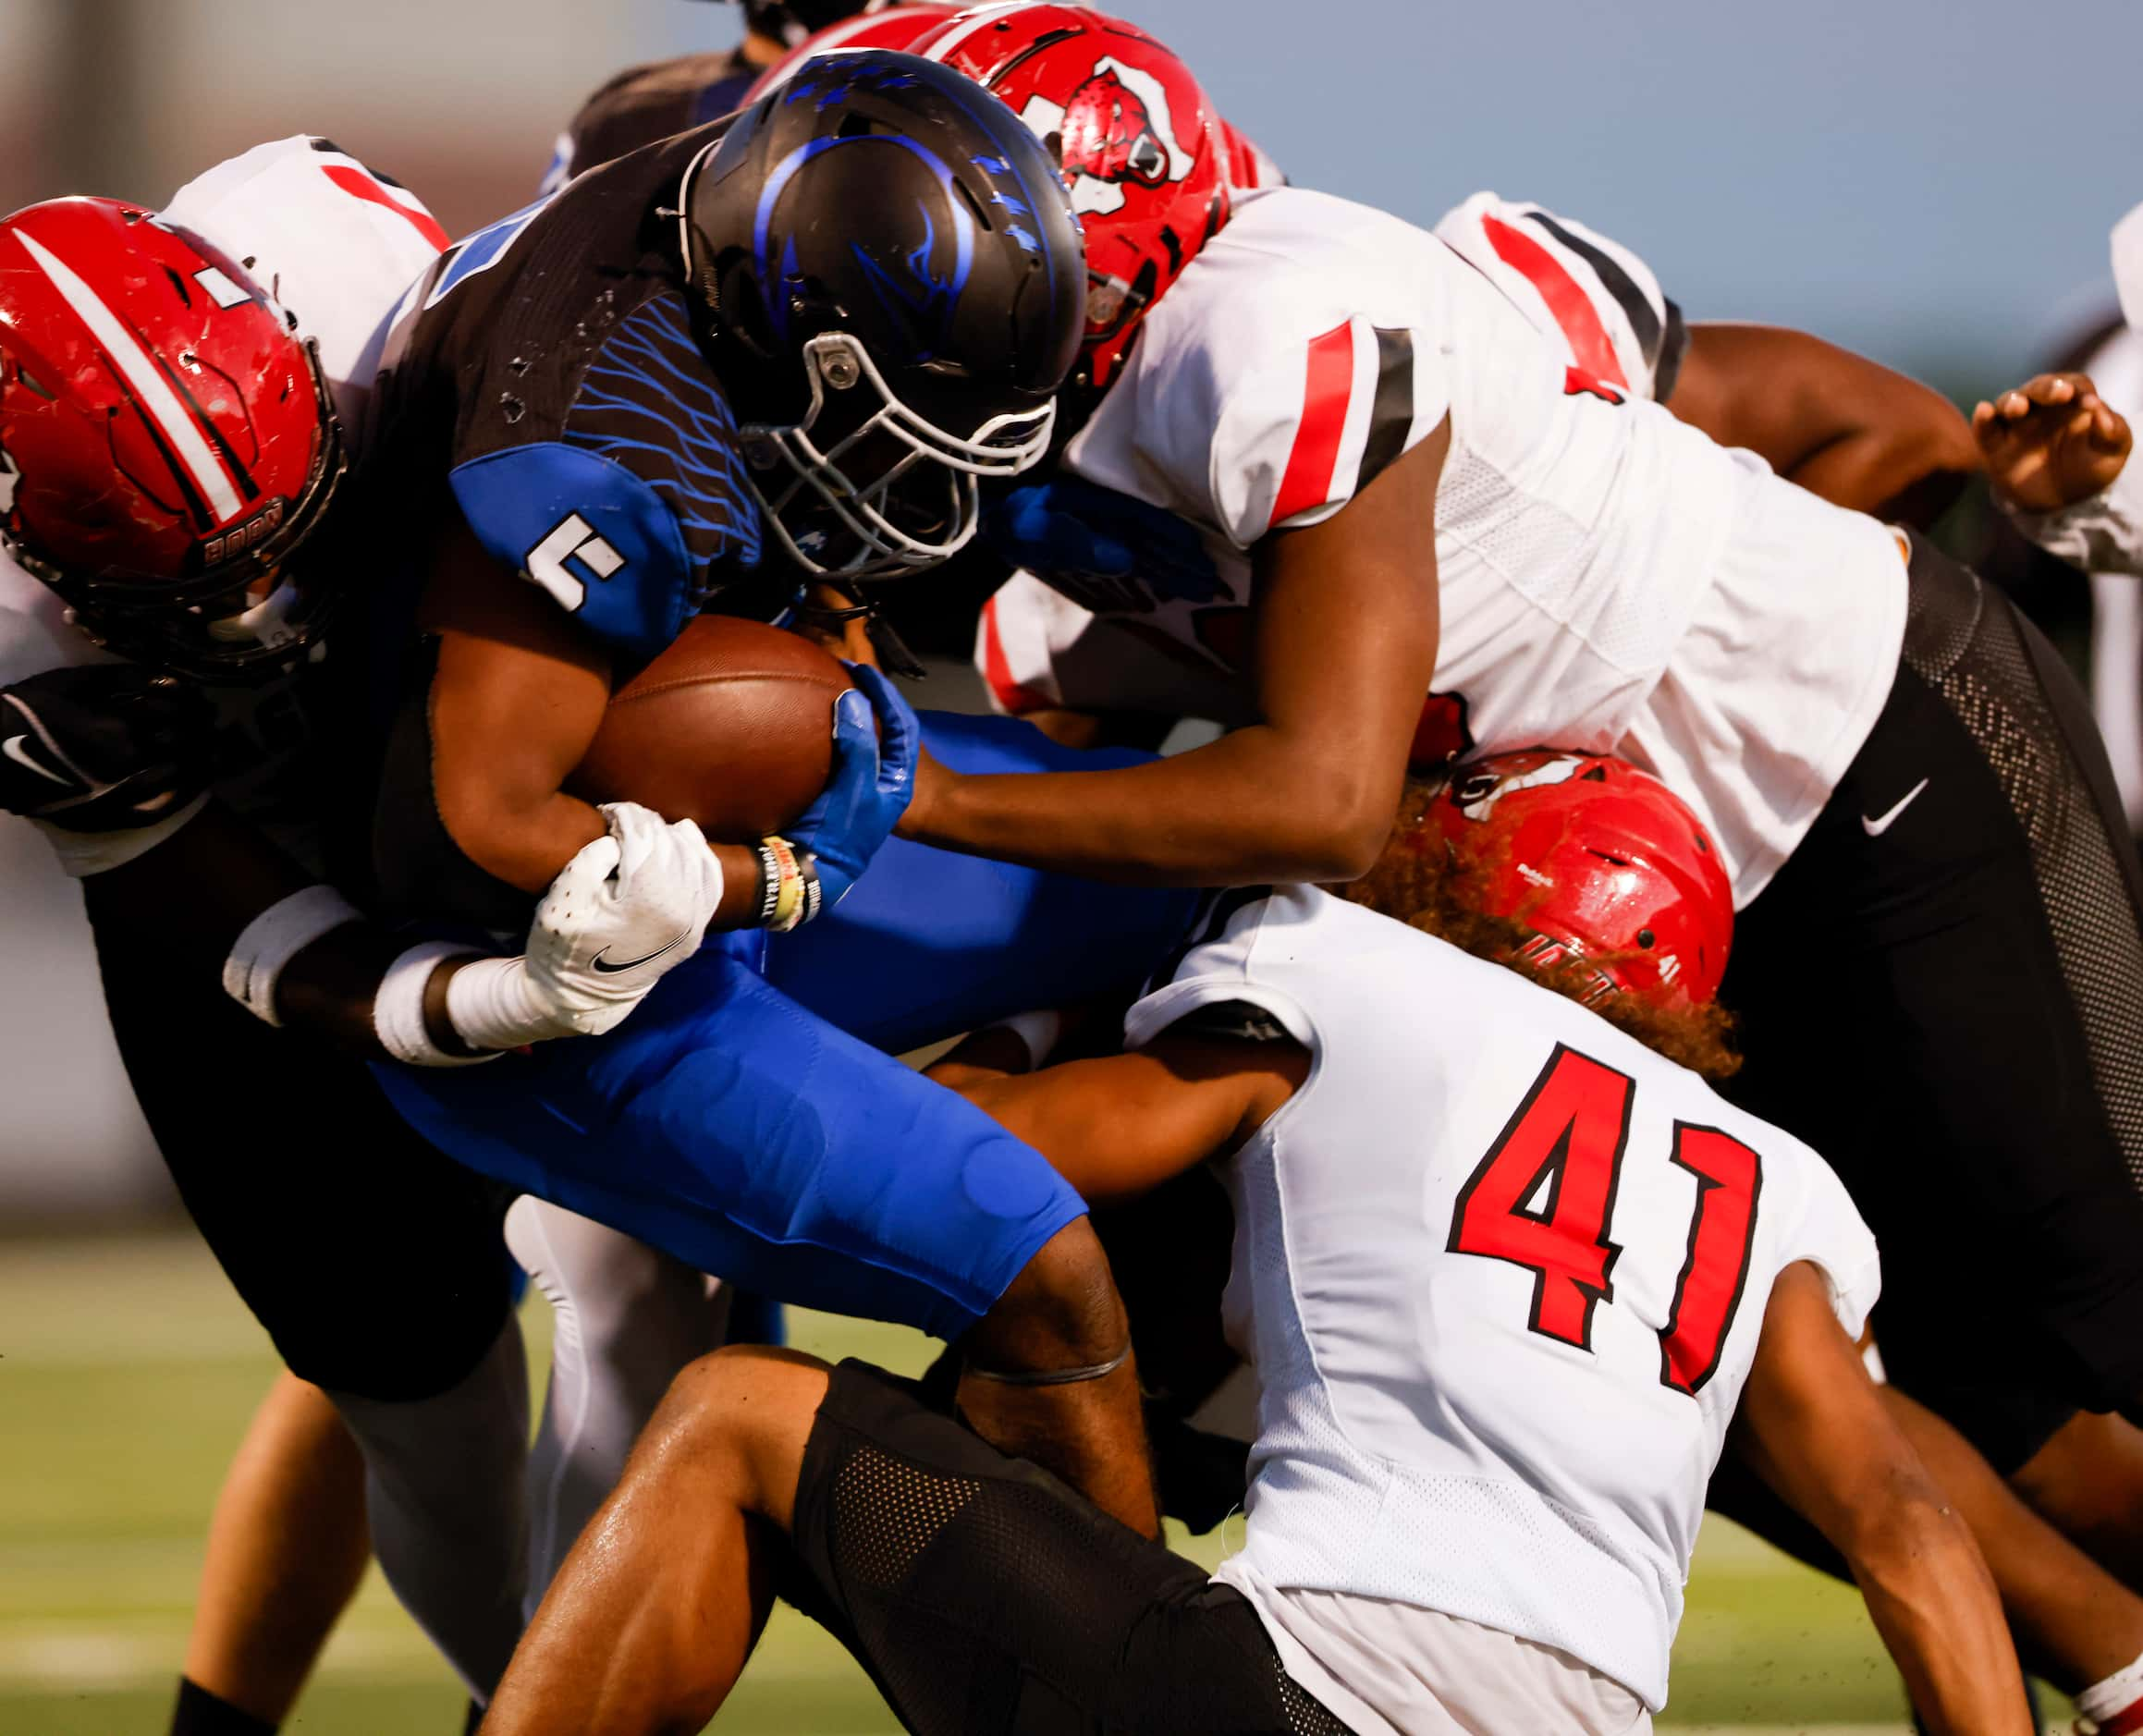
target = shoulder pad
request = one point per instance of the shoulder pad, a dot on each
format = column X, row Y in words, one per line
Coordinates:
column 588, row 530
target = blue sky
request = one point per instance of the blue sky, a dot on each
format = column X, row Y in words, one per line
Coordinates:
column 1929, row 181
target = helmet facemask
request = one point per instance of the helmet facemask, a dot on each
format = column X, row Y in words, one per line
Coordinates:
column 866, row 485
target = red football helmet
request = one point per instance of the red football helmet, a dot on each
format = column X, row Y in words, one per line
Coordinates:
column 165, row 438
column 899, row 28
column 1141, row 145
column 1601, row 860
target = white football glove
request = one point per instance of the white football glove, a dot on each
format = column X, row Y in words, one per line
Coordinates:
column 633, row 905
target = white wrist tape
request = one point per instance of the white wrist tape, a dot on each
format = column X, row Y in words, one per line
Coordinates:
column 494, row 1005
column 1041, row 1031
column 398, row 1008
column 275, row 937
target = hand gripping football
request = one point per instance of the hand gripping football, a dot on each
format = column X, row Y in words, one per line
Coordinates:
column 731, row 727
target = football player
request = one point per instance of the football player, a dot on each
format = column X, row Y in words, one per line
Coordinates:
column 643, row 104
column 873, row 296
column 1335, row 466
column 179, row 395
column 1469, row 1214
column 2057, row 450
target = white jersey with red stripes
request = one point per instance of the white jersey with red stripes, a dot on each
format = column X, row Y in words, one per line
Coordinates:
column 1591, row 296
column 1591, row 549
column 1502, row 1271
column 337, row 246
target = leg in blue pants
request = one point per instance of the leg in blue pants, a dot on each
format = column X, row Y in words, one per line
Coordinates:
column 735, row 1127
column 929, row 943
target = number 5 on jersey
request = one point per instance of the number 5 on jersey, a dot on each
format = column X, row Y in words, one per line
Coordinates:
column 1543, row 1195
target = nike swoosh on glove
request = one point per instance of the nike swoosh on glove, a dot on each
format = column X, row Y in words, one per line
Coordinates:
column 631, row 907
column 874, row 741
column 102, row 748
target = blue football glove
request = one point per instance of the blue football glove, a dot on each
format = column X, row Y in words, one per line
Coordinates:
column 875, row 738
column 1066, row 527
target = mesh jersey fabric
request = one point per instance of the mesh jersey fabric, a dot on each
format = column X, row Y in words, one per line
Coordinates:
column 1415, row 1428
column 1942, row 990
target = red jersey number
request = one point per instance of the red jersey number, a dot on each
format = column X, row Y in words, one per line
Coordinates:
column 1543, row 1196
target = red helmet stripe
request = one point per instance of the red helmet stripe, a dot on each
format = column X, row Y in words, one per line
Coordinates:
column 1328, row 387
column 359, row 185
column 1588, row 337
column 152, row 393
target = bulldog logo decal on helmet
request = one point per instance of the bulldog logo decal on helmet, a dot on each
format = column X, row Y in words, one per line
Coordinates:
column 1115, row 129
column 1477, row 792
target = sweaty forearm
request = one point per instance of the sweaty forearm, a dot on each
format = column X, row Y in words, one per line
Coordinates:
column 1248, row 809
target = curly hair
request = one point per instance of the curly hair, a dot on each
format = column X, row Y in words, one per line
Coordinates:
column 1426, row 889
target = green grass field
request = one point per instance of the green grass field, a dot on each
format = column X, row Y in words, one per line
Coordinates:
column 127, row 1371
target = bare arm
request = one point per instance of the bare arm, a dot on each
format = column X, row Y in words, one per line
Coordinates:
column 1840, row 425
column 1815, row 1426
column 1119, row 1127
column 1346, row 638
column 517, row 697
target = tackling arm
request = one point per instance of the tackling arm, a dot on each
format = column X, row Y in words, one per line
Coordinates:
column 1840, row 425
column 1118, row 1126
column 1346, row 640
column 1815, row 1426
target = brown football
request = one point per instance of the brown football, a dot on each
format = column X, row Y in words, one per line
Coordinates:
column 732, row 727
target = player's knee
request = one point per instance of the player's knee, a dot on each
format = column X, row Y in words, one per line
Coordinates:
column 734, row 1413
column 1061, row 1311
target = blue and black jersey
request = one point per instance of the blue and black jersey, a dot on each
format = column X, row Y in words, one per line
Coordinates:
column 547, row 387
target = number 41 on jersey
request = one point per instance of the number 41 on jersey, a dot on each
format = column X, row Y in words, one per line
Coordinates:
column 1543, row 1196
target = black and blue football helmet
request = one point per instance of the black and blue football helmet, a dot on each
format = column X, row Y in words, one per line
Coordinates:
column 891, row 285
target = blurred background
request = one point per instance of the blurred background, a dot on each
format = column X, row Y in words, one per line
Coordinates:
column 1930, row 181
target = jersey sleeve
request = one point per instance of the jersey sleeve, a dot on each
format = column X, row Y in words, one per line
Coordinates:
column 624, row 495
column 1017, row 639
column 1821, row 1224
column 334, row 243
column 587, row 530
column 1600, row 298
column 1302, row 423
column 1214, row 967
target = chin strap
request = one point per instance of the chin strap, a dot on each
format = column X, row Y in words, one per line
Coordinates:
column 1053, row 1377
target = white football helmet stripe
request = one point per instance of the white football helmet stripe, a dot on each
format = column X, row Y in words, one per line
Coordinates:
column 978, row 19
column 149, row 385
